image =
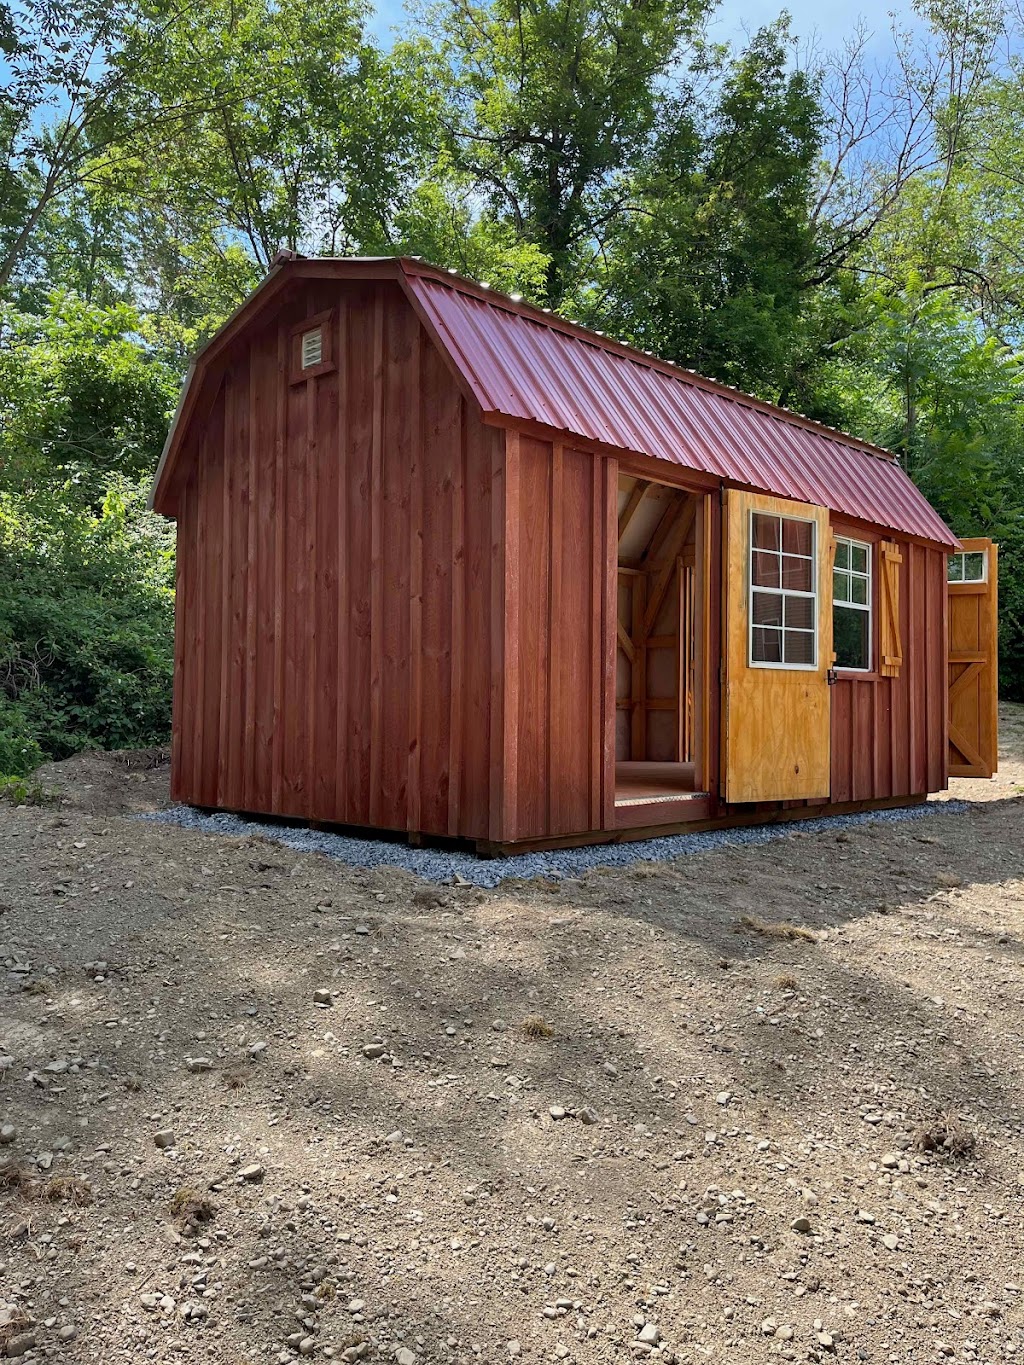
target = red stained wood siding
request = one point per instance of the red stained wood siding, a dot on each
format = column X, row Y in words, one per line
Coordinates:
column 889, row 734
column 557, row 522
column 336, row 546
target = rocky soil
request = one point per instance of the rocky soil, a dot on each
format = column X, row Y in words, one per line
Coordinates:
column 758, row 1104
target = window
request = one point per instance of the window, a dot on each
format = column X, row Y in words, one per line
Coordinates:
column 851, row 604
column 312, row 348
column 783, row 600
column 967, row 566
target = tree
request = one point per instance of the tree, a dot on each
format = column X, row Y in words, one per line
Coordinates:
column 544, row 104
column 708, row 268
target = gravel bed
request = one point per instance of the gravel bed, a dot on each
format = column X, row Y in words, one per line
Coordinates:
column 446, row 866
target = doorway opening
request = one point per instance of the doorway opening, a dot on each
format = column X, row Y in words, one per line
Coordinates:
column 659, row 664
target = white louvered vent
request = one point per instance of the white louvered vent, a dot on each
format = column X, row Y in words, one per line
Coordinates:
column 312, row 348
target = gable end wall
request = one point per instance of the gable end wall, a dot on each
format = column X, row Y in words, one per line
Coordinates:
column 328, row 535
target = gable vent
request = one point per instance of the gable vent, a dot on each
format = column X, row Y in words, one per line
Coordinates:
column 312, row 348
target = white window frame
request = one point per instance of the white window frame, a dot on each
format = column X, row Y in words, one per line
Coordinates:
column 962, row 556
column 811, row 596
column 867, row 606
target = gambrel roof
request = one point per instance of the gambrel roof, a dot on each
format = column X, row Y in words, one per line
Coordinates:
column 522, row 365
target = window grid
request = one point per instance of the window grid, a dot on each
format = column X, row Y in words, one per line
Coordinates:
column 782, row 628
column 851, row 591
column 967, row 566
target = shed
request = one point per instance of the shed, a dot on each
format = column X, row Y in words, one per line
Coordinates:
column 452, row 566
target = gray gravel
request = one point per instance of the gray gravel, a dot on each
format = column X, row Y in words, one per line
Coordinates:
column 445, row 866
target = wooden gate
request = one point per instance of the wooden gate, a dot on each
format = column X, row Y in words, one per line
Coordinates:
column 973, row 674
column 777, row 648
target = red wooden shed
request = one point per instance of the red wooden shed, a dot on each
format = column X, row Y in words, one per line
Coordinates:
column 453, row 566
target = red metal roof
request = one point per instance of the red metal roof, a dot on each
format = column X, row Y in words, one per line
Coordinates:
column 521, row 363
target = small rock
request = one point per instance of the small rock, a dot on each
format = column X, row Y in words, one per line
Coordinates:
column 514, row 1347
column 67, row 1333
column 405, row 1357
column 587, row 1116
column 8, row 1133
column 307, row 1346
column 199, row 1064
column 374, row 1050
column 18, row 1345
column 557, row 1112
column 649, row 1334
column 801, row 1224
column 890, row 1241
column 252, row 1173
column 827, row 1340
column 323, row 997
column 165, row 1138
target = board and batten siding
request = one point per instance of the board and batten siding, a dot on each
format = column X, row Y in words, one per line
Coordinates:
column 889, row 733
column 332, row 663
column 561, row 545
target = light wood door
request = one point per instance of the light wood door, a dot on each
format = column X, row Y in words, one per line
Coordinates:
column 777, row 649
column 973, row 672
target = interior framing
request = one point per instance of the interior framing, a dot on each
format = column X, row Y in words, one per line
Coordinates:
column 665, row 763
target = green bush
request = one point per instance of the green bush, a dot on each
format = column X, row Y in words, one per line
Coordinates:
column 86, row 625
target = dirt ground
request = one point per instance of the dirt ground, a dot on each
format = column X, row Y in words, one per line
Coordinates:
column 258, row 1106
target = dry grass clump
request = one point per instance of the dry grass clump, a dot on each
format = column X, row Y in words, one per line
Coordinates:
column 785, row 981
column 536, row 1027
column 233, row 1080
column 192, row 1208
column 947, row 1135
column 777, row 929
column 68, row 1189
column 16, row 1179
column 17, row 1323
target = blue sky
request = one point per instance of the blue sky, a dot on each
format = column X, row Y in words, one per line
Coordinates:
column 829, row 20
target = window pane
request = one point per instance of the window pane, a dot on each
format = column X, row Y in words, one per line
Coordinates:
column 800, row 613
column 766, row 532
column 851, row 637
column 767, row 608
column 956, row 569
column 765, row 570
column 974, row 567
column 766, row 645
column 859, row 591
column 842, row 554
column 796, row 536
column 796, row 574
column 799, row 647
column 859, row 558
column 840, row 587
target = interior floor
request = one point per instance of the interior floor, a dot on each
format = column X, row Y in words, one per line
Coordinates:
column 641, row 782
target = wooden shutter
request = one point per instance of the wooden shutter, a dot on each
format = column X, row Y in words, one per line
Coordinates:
column 889, row 609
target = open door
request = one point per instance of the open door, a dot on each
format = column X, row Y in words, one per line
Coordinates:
column 973, row 674
column 777, row 649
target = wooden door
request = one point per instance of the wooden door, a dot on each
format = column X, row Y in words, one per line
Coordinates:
column 777, row 650
column 973, row 675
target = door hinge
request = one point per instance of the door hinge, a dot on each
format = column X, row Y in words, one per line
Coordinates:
column 832, row 677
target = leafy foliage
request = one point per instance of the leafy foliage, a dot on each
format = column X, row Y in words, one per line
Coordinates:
column 86, row 613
